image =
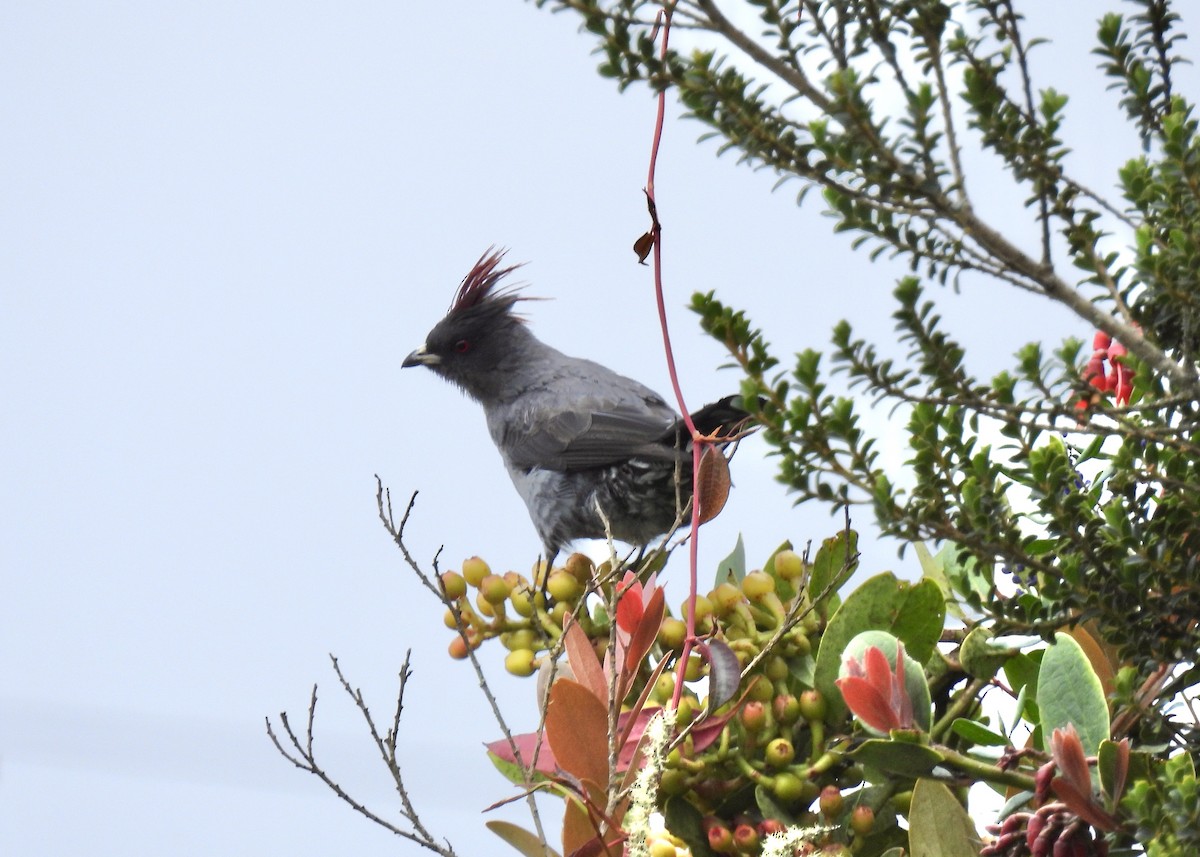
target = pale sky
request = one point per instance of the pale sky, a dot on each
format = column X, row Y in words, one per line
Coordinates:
column 225, row 225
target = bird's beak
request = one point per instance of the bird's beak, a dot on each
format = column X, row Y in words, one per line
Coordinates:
column 421, row 357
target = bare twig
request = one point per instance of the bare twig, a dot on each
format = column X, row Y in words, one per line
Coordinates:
column 383, row 500
column 303, row 756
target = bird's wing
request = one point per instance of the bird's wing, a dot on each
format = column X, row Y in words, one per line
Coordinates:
column 584, row 437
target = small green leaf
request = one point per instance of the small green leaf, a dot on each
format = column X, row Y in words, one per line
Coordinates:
column 511, row 771
column 734, row 565
column 1113, row 764
column 835, row 562
column 979, row 656
column 977, row 733
column 521, row 839
column 770, row 808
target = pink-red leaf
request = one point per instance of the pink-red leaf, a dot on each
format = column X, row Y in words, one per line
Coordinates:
column 629, row 603
column 584, row 663
column 502, row 750
column 1082, row 804
column 868, row 704
column 643, row 636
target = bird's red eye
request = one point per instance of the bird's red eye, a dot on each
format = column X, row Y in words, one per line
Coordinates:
column 462, row 346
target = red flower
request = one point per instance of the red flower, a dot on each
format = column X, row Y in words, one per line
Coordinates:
column 875, row 694
column 1116, row 378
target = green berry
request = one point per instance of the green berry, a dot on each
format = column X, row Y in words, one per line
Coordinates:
column 454, row 586
column 672, row 633
column 788, row 564
column 494, row 589
column 475, row 570
column 753, row 717
column 780, row 753
column 789, row 788
column 520, row 662
column 757, row 584
column 812, row 705
column 563, row 586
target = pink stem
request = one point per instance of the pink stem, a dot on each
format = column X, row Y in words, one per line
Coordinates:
column 664, row 18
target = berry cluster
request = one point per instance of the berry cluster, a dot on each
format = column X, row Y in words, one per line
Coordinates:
column 774, row 756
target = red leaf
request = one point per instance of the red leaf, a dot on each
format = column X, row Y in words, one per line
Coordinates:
column 578, row 827
column 1068, row 753
column 629, row 603
column 1082, row 805
column 644, row 634
column 577, row 730
column 868, row 704
column 703, row 737
column 584, row 663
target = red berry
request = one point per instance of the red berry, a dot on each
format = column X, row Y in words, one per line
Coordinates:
column 831, row 802
column 753, row 716
column 862, row 819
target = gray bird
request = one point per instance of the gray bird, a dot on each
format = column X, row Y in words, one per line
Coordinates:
column 572, row 433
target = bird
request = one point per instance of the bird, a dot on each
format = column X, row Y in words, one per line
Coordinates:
column 591, row 452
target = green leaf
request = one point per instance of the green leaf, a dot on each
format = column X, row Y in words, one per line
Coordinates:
column 734, row 565
column 835, row 562
column 965, row 577
column 521, row 839
column 511, row 771
column 1113, row 765
column 977, row 733
column 938, row 826
column 912, row 612
column 931, row 569
column 979, row 657
column 897, row 757
column 920, row 619
column 770, row 808
column 686, row 822
column 1069, row 691
column 1022, row 673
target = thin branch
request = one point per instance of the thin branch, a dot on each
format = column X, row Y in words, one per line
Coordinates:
column 383, row 501
column 303, row 756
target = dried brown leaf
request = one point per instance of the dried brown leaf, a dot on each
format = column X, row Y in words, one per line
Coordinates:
column 712, row 484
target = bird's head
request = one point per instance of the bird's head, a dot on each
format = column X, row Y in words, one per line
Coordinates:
column 480, row 337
